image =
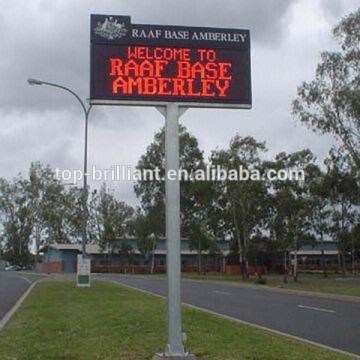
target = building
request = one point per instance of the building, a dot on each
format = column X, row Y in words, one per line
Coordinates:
column 310, row 256
column 63, row 258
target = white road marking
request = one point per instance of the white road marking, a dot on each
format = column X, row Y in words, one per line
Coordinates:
column 222, row 292
column 26, row 279
column 21, row 277
column 315, row 308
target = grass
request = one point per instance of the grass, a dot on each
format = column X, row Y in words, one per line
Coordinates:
column 307, row 282
column 107, row 321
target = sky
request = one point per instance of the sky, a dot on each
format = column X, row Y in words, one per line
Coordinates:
column 49, row 40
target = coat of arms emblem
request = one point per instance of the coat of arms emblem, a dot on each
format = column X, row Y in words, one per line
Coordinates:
column 110, row 29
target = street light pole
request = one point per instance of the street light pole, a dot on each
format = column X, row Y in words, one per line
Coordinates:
column 85, row 192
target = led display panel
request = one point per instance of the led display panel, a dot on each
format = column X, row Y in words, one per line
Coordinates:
column 156, row 63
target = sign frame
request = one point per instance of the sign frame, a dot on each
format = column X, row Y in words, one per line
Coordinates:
column 140, row 100
column 164, row 104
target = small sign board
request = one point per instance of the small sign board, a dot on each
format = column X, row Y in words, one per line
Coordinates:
column 83, row 271
column 138, row 64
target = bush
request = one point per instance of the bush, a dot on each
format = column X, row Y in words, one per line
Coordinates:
column 260, row 281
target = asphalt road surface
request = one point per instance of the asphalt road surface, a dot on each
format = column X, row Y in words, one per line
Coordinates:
column 331, row 322
column 12, row 286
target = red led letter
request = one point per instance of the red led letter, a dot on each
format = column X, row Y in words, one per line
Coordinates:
column 115, row 65
column 183, row 70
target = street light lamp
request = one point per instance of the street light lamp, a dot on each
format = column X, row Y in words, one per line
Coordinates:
column 86, row 114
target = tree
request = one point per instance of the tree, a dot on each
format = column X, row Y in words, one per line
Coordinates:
column 114, row 219
column 331, row 102
column 148, row 231
column 279, row 231
column 344, row 195
column 355, row 244
column 152, row 192
column 94, row 219
column 291, row 209
column 51, row 206
column 320, row 204
column 17, row 222
column 36, row 210
column 241, row 203
column 74, row 215
column 201, row 234
column 42, row 210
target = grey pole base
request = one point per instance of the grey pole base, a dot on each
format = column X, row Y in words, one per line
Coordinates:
column 186, row 356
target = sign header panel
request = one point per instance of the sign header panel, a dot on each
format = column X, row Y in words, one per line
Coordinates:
column 156, row 63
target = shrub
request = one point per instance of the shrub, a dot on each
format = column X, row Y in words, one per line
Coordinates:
column 260, row 281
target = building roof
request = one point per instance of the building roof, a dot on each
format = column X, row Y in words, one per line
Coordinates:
column 330, row 248
column 314, row 252
column 95, row 249
column 90, row 248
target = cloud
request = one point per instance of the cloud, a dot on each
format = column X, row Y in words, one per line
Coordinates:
column 264, row 18
column 46, row 137
column 332, row 8
column 49, row 40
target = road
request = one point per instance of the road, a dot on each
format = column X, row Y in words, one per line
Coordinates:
column 12, row 286
column 331, row 322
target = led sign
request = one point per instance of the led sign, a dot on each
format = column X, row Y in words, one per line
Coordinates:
column 154, row 64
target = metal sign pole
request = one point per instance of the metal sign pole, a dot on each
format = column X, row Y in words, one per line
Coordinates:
column 172, row 204
column 175, row 347
column 173, row 260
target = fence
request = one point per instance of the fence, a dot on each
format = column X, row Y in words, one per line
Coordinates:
column 146, row 269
